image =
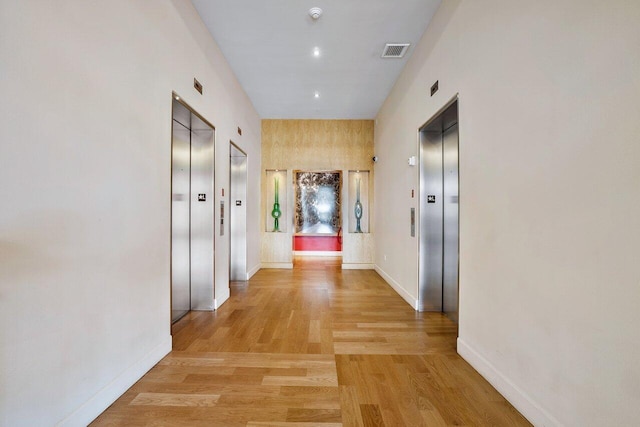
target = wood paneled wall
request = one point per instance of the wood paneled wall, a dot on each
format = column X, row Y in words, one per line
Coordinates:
column 317, row 144
column 314, row 145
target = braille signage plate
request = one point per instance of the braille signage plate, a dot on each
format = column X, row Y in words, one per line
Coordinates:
column 431, row 198
column 202, row 197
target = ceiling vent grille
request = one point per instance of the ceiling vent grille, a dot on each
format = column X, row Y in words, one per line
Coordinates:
column 395, row 50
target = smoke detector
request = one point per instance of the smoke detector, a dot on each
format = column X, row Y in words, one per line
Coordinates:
column 315, row 12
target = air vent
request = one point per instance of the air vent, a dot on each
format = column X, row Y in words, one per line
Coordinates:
column 395, row 50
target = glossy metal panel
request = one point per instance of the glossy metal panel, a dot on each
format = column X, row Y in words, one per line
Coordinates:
column 181, row 114
column 192, row 244
column 439, row 240
column 238, row 215
column 450, row 224
column 202, row 215
column 431, row 239
column 180, row 240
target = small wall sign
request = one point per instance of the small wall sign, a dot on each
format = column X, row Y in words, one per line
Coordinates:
column 431, row 198
column 202, row 197
column 434, row 88
column 197, row 85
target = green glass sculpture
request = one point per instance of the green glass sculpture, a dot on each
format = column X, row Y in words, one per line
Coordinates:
column 358, row 208
column 276, row 213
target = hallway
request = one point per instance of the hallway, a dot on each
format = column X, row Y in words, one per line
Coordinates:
column 312, row 346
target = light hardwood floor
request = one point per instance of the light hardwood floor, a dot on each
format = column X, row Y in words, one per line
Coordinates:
column 312, row 346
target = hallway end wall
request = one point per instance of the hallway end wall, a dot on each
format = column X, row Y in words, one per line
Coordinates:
column 85, row 171
column 316, row 145
column 549, row 201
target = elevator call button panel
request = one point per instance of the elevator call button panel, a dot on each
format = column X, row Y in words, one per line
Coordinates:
column 431, row 198
column 202, row 197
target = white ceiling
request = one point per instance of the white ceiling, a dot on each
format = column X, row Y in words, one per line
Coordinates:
column 269, row 45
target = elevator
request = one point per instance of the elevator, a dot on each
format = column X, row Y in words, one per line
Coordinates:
column 192, row 212
column 439, row 213
column 238, row 217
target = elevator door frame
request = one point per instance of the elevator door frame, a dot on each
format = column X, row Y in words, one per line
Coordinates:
column 431, row 270
column 202, row 296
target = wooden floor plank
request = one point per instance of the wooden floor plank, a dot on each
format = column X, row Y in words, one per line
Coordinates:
column 312, row 346
column 175, row 399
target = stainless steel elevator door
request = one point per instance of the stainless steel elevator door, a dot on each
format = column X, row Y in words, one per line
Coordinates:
column 438, row 237
column 180, row 214
column 431, row 239
column 202, row 216
column 238, row 217
column 192, row 213
column 450, row 222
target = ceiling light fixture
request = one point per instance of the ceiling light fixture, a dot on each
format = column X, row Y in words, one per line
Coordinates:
column 315, row 12
column 316, row 94
column 316, row 52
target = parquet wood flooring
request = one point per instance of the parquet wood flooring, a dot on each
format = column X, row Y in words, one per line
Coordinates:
column 312, row 346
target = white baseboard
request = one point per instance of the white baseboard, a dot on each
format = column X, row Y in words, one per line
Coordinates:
column 93, row 407
column 318, row 253
column 222, row 299
column 529, row 408
column 281, row 265
column 357, row 266
column 396, row 287
column 253, row 271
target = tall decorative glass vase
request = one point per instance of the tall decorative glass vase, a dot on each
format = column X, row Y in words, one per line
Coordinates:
column 275, row 196
column 358, row 192
column 358, row 207
column 276, row 213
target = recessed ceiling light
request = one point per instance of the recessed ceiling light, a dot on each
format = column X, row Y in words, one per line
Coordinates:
column 316, row 94
column 316, row 52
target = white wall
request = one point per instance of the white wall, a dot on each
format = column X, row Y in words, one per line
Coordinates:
column 549, row 196
column 85, row 193
column 254, row 167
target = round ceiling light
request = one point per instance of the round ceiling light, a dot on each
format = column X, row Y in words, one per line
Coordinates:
column 315, row 12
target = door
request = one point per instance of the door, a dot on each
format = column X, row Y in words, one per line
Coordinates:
column 431, row 232
column 238, row 217
column 180, row 221
column 202, row 216
column 438, row 237
column 450, row 222
column 192, row 215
